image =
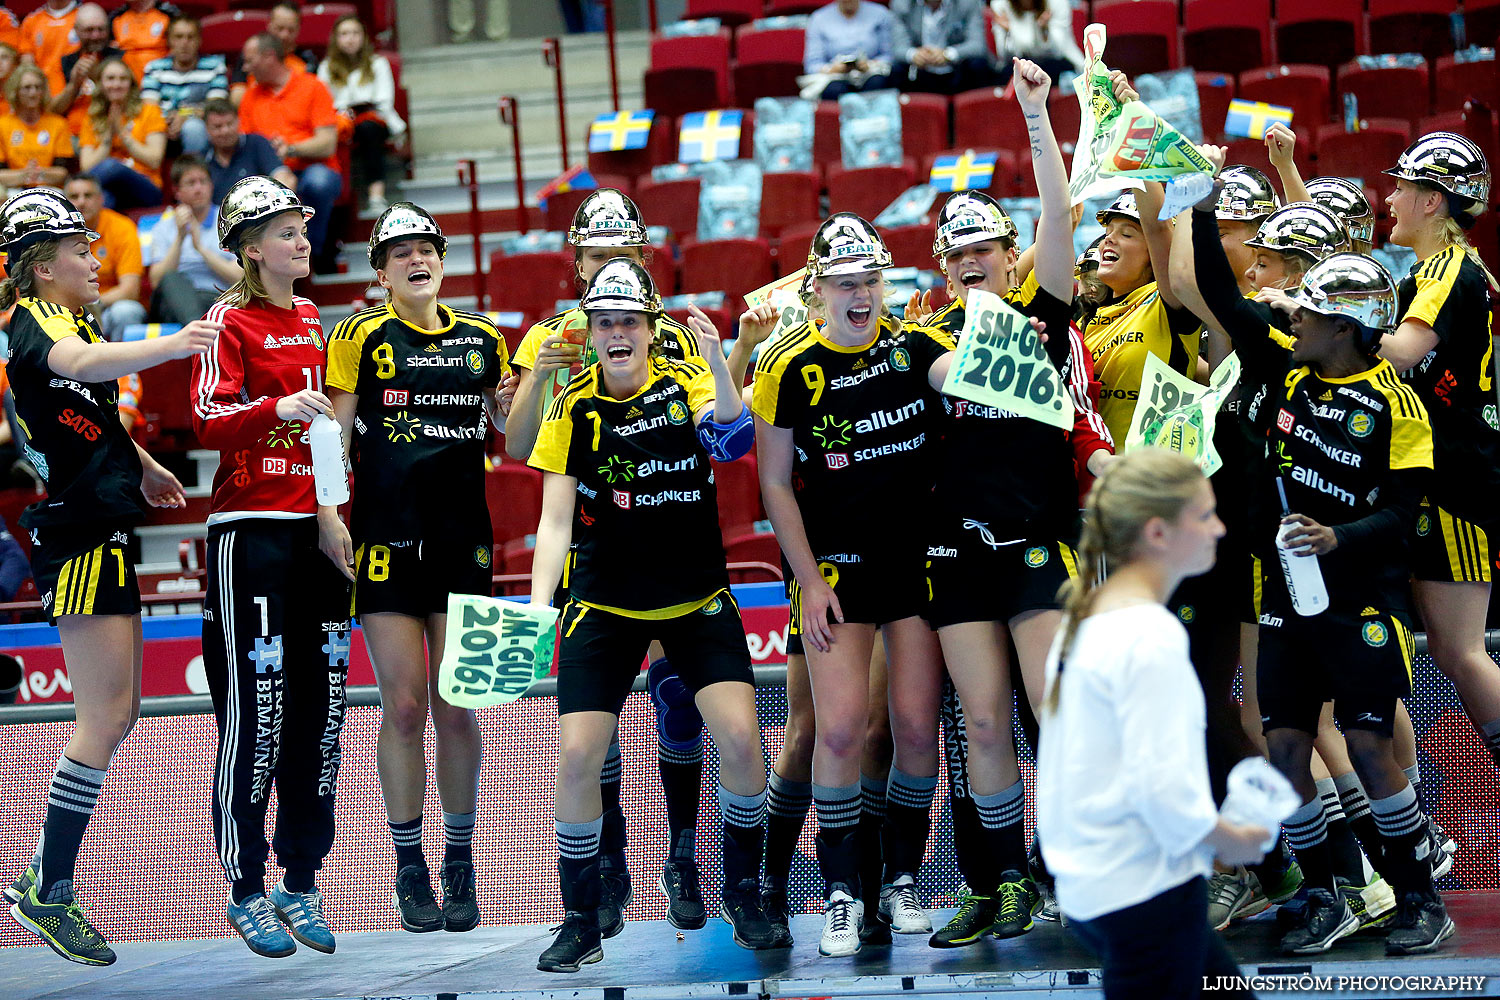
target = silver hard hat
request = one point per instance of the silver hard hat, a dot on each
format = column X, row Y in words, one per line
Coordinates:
column 1090, row 256
column 1347, row 200
column 1303, row 228
column 1448, row 161
column 1124, row 206
column 607, row 218
column 846, row 244
column 970, row 217
column 251, row 200
column 1353, row 286
column 404, row 221
column 624, row 285
column 1247, row 195
column 38, row 214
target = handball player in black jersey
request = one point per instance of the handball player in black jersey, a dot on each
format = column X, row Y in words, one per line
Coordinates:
column 626, row 450
column 415, row 383
column 63, row 375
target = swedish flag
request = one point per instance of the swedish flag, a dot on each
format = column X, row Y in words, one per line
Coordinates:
column 1251, row 118
column 709, row 135
column 620, row 130
column 963, row 171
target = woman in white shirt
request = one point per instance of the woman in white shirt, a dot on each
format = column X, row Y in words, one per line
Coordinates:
column 364, row 90
column 1039, row 30
column 1124, row 813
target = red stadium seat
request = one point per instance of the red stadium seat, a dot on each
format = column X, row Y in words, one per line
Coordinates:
column 738, row 486
column 663, row 268
column 1252, row 153
column 752, row 81
column 866, row 191
column 924, row 123
column 1413, row 26
column 827, row 149
column 911, row 246
column 1455, row 82
column 786, row 199
column 514, row 494
column 980, row 117
column 1303, row 88
column 1215, row 91
column 515, row 557
column 709, row 52
column 761, row 548
column 672, row 203
column 720, row 316
column 770, row 45
column 1481, row 20
column 1387, row 92
column 1002, row 184
column 733, row 267
column 729, row 12
column 777, row 8
column 530, row 283
column 792, row 247
column 677, row 91
column 318, row 20
column 1322, row 32
column 226, row 33
column 558, row 215
column 167, row 391
column 1226, row 37
column 1065, row 114
column 661, row 147
column 1365, row 153
column 1143, row 34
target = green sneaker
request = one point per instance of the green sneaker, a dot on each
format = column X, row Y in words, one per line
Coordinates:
column 1286, row 888
column 23, row 882
column 975, row 916
column 64, row 927
column 1017, row 900
column 1374, row 905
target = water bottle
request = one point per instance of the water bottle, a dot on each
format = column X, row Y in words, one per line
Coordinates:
column 329, row 478
column 1304, row 577
column 1259, row 795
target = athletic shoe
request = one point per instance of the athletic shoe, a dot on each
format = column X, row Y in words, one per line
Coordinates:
column 679, row 883
column 900, row 907
column 66, row 930
column 577, row 944
column 1445, row 842
column 773, row 905
column 1016, row 900
column 1290, row 913
column 614, row 895
column 1374, row 905
column 1234, row 896
column 256, row 921
column 741, row 910
column 303, row 913
column 415, row 904
column 975, row 917
column 842, row 916
column 24, row 881
column 1289, row 885
column 1049, row 909
column 1327, row 918
column 1422, row 923
column 460, row 904
column 1431, row 850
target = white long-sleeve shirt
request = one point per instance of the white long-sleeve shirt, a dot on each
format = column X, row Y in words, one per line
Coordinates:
column 1023, row 38
column 1122, row 793
column 379, row 91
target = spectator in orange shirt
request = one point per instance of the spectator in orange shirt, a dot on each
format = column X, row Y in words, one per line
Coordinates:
column 91, row 25
column 294, row 110
column 10, row 29
column 37, row 142
column 286, row 25
column 123, row 140
column 119, row 251
column 140, row 30
column 47, row 35
column 10, row 58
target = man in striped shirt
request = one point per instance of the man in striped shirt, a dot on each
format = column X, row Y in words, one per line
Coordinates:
column 182, row 82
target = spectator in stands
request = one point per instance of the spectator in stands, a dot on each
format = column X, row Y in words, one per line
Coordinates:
column 10, row 58
column 851, row 41
column 46, row 35
column 187, row 267
column 119, row 251
column 182, row 83
column 15, row 567
column 285, row 25
column 364, row 91
column 131, row 394
column 1039, row 30
column 92, row 28
column 940, row 46
column 123, row 140
column 140, row 29
column 294, row 110
column 37, row 142
column 10, row 29
column 234, row 155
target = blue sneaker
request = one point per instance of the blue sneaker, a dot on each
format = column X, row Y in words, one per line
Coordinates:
column 303, row 913
column 256, row 921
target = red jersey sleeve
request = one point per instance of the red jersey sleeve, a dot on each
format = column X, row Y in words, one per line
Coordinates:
column 1089, row 433
column 224, row 415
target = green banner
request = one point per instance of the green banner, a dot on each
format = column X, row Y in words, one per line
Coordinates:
column 494, row 650
column 1001, row 362
column 1177, row 413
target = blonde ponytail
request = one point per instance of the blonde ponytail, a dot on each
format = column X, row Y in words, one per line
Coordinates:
column 250, row 287
column 1453, row 235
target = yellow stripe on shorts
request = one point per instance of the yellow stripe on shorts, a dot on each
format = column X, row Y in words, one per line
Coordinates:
column 1257, row 585
column 1070, row 560
column 1408, row 646
column 583, row 609
column 1467, row 547
column 96, row 570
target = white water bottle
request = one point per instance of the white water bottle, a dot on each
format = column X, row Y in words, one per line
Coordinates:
column 1259, row 795
column 1304, row 577
column 329, row 479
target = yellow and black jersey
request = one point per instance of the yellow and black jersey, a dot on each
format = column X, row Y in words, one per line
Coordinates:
column 646, row 527
column 72, row 431
column 862, row 421
column 419, row 427
column 1120, row 335
column 673, row 341
column 1009, row 472
column 1021, row 295
column 1450, row 293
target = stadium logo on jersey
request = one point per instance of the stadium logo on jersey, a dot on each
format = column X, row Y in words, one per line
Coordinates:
column 832, row 432
column 1036, row 557
column 1424, row 524
column 1361, row 423
column 643, row 424
column 837, row 459
column 282, row 437
column 482, row 556
column 474, row 361
column 713, row 607
column 1285, row 422
column 273, row 466
column 402, row 427
column 622, row 499
column 677, row 412
column 1187, row 614
column 395, row 397
column 1374, row 633
column 900, row 359
column 617, row 470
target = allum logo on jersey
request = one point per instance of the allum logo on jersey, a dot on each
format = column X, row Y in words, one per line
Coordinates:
column 1311, row 478
column 890, row 418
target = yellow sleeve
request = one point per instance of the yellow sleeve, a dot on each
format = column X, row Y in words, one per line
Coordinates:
column 1411, row 443
column 1435, row 280
column 531, row 344
column 699, row 382
column 345, row 348
column 686, row 337
column 764, row 393
column 56, row 322
column 555, row 438
column 1023, row 293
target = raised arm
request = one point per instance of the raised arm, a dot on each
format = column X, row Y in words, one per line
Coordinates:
column 1053, row 261
column 74, row 358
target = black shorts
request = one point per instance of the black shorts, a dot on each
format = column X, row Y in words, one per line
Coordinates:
column 1448, row 549
column 1360, row 662
column 871, row 591
column 415, row 576
column 1230, row 591
column 600, row 652
column 84, row 569
column 973, row 577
